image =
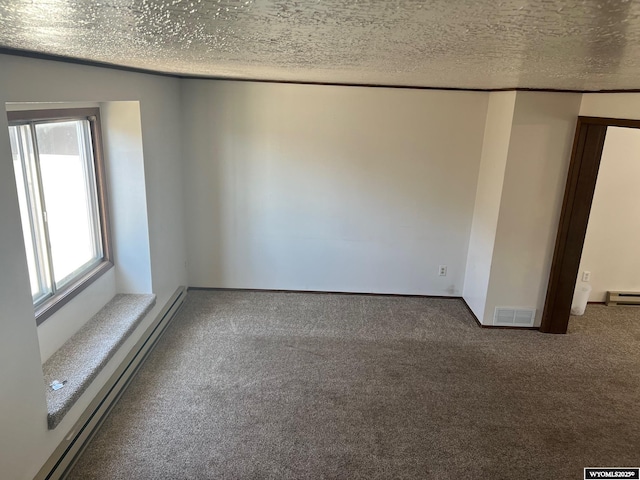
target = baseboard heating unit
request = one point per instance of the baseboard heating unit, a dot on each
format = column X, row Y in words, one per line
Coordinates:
column 622, row 298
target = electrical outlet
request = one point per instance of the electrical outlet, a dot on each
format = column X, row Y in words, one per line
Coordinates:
column 586, row 276
column 442, row 270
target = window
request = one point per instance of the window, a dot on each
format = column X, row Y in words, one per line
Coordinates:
column 60, row 178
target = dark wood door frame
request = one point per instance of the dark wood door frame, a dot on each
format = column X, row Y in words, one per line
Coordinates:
column 574, row 217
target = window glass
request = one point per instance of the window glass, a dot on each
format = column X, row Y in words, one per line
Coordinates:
column 30, row 208
column 66, row 169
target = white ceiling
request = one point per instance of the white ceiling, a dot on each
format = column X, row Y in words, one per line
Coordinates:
column 481, row 44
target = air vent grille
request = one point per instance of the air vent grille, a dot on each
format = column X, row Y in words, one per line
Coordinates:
column 514, row 317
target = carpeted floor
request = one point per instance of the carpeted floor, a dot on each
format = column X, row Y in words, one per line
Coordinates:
column 256, row 385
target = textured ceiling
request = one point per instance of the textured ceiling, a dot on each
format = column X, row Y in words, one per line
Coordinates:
column 547, row 44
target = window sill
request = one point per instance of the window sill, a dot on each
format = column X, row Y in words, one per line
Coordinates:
column 77, row 363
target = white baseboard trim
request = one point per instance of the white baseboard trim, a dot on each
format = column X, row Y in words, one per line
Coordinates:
column 64, row 456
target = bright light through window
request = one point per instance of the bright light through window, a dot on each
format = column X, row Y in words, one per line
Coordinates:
column 66, row 169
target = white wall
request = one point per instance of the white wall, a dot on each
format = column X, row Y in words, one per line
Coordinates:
column 329, row 188
column 534, row 181
column 25, row 441
column 610, row 249
column 124, row 164
column 495, row 148
column 613, row 105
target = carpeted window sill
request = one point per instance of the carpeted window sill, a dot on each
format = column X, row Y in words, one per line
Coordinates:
column 77, row 363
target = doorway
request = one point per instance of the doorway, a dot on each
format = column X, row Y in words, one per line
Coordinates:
column 574, row 217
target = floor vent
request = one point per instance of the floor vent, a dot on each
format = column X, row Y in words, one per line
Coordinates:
column 514, row 317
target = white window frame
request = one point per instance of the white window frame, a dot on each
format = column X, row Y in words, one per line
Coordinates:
column 45, row 306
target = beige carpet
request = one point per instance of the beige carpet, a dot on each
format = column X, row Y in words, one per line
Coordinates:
column 255, row 385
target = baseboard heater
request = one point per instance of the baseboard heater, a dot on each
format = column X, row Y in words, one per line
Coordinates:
column 623, row 298
column 62, row 459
